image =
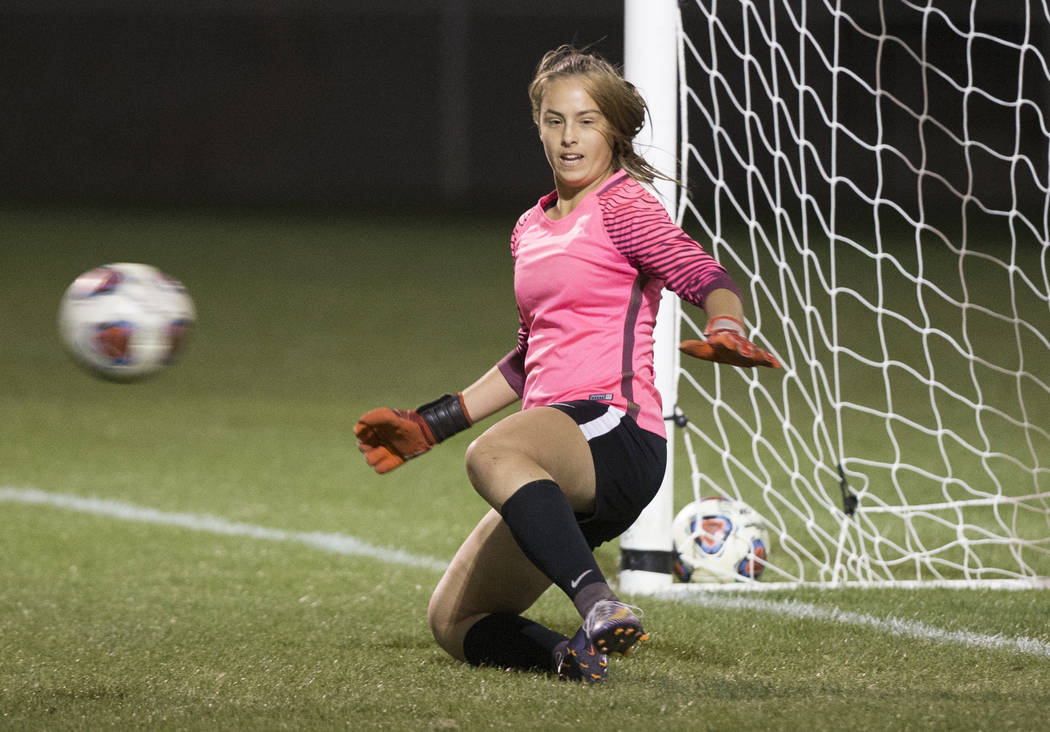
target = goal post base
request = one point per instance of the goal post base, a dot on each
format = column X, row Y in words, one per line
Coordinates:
column 640, row 582
column 646, row 560
column 645, row 571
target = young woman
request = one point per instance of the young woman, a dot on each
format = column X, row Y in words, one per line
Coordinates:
column 586, row 453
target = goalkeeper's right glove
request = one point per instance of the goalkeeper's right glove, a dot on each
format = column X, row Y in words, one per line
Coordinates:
column 389, row 437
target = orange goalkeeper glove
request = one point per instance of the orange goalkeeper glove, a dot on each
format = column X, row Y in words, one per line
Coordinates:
column 389, row 437
column 727, row 344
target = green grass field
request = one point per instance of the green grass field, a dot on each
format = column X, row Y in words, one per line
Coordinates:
column 199, row 594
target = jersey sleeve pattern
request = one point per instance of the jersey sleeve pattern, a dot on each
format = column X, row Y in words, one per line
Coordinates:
column 640, row 228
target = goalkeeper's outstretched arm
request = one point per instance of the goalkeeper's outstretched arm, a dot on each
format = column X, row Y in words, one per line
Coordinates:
column 488, row 395
column 388, row 437
column 725, row 336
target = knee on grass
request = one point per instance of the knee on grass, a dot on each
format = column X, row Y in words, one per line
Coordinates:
column 446, row 629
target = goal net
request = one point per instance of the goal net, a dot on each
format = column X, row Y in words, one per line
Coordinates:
column 876, row 177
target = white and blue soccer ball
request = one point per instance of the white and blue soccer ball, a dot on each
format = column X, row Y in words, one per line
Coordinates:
column 125, row 321
column 719, row 539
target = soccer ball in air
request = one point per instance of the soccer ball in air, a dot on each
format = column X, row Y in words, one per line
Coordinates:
column 719, row 539
column 125, row 321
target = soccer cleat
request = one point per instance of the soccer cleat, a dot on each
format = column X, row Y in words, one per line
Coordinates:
column 578, row 660
column 613, row 627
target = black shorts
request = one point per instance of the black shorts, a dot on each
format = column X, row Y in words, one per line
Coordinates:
column 628, row 467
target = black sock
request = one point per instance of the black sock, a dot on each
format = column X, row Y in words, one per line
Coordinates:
column 511, row 641
column 587, row 597
column 544, row 525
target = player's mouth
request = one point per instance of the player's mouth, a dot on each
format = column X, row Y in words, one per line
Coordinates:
column 571, row 158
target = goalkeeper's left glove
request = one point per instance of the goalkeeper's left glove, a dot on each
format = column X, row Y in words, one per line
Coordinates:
column 726, row 343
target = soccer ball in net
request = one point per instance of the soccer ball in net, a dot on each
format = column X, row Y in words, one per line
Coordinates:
column 125, row 321
column 719, row 539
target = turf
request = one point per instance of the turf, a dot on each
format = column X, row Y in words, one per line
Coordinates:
column 306, row 320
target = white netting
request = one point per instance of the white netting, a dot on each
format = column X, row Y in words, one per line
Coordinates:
column 876, row 175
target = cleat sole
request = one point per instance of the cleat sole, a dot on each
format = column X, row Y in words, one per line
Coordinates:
column 620, row 641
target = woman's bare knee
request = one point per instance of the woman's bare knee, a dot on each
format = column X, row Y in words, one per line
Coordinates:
column 538, row 444
column 496, row 469
column 476, row 460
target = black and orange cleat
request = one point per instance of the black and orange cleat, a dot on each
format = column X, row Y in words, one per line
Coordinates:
column 579, row 660
column 613, row 627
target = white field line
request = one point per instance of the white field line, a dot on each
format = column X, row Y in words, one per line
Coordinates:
column 337, row 543
column 890, row 625
column 348, row 545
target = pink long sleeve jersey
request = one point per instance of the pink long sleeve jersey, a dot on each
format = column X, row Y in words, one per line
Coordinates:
column 588, row 288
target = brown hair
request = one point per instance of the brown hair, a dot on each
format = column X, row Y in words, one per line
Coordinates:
column 617, row 99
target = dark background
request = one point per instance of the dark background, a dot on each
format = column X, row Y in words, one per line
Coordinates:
column 281, row 101
column 379, row 101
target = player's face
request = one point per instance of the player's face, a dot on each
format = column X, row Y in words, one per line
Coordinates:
column 572, row 130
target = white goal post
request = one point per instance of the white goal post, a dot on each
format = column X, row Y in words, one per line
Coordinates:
column 876, row 177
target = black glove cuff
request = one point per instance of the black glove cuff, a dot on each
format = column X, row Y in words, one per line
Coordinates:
column 444, row 416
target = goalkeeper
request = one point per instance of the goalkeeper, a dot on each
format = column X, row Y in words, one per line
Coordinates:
column 586, row 453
